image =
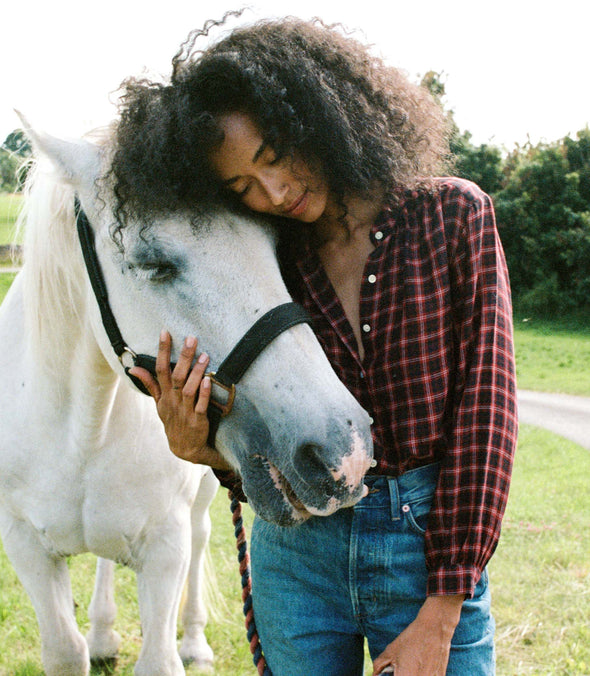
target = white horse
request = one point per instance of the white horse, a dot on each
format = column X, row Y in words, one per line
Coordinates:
column 84, row 463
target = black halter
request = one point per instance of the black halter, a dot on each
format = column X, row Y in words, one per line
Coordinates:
column 261, row 334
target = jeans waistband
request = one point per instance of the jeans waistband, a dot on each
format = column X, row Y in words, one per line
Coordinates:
column 394, row 492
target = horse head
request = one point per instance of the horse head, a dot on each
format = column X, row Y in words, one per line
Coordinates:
column 299, row 439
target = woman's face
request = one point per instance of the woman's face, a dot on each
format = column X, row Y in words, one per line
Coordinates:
column 264, row 182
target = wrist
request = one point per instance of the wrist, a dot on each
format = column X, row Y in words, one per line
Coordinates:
column 445, row 611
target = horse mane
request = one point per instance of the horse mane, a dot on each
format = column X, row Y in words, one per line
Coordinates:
column 52, row 284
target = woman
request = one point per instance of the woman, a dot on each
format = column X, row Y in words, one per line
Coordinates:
column 405, row 279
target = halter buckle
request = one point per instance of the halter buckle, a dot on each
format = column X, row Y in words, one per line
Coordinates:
column 127, row 351
column 226, row 407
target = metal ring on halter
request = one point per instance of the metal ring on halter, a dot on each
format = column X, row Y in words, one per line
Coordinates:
column 128, row 351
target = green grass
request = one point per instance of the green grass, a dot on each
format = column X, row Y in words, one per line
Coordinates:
column 9, row 207
column 553, row 355
column 540, row 574
column 5, row 282
column 540, row 578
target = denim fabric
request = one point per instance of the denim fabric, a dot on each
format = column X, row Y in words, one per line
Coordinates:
column 320, row 588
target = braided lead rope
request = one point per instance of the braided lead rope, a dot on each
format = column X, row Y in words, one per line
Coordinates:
column 244, row 561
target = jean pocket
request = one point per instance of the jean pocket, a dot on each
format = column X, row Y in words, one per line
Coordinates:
column 417, row 514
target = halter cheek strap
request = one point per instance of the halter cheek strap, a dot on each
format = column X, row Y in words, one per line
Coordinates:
column 256, row 339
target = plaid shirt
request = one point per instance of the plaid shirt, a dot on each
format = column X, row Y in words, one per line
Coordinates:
column 438, row 375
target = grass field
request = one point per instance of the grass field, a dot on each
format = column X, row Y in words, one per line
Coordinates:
column 553, row 356
column 540, row 574
column 9, row 208
column 540, row 577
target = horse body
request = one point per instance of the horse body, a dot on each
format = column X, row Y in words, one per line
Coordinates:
column 84, row 462
column 85, row 466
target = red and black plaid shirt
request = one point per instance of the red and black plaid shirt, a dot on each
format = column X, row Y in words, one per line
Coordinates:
column 438, row 375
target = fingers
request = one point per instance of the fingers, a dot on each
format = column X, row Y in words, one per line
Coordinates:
column 383, row 664
column 204, row 396
column 182, row 368
column 194, row 381
column 148, row 381
column 163, row 360
column 186, row 379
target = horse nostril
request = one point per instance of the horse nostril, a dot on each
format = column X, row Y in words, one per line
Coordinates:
column 311, row 466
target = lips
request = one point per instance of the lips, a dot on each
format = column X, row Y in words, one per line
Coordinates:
column 299, row 512
column 298, row 509
column 281, row 483
column 298, row 206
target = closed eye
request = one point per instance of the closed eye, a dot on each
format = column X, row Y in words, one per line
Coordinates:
column 244, row 191
column 153, row 272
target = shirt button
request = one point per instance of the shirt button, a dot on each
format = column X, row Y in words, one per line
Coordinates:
column 366, row 328
column 371, row 420
column 379, row 235
column 373, row 463
column 372, row 279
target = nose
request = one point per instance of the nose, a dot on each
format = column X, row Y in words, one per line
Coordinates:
column 319, row 479
column 276, row 189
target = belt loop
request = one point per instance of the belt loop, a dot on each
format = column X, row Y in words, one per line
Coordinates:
column 394, row 499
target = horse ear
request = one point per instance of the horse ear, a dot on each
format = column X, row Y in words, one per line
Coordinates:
column 76, row 160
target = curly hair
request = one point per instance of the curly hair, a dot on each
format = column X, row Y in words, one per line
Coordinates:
column 310, row 88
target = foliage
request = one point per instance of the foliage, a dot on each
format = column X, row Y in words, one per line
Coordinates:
column 9, row 164
column 481, row 164
column 543, row 212
column 13, row 154
column 542, row 198
column 18, row 142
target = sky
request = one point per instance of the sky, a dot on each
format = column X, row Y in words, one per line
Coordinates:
column 515, row 70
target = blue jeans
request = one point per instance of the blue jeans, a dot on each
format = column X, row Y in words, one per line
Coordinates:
column 321, row 588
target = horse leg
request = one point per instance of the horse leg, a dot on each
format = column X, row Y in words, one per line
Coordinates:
column 160, row 578
column 46, row 580
column 194, row 647
column 103, row 641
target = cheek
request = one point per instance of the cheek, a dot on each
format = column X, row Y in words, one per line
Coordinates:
column 256, row 201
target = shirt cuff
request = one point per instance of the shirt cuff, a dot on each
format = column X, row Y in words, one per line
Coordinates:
column 456, row 580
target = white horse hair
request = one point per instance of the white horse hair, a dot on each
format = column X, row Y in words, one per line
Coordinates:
column 84, row 462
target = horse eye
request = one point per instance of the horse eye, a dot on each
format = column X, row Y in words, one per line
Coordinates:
column 153, row 272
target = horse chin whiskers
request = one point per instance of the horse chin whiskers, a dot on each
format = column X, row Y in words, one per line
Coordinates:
column 300, row 512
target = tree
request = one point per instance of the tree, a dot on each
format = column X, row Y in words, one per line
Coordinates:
column 8, row 171
column 13, row 153
column 18, row 142
column 543, row 212
column 481, row 164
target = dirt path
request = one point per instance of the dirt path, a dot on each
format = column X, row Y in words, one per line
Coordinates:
column 563, row 414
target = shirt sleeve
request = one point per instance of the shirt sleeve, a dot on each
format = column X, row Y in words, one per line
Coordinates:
column 472, row 490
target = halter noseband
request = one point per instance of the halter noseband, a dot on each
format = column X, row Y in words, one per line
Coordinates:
column 259, row 336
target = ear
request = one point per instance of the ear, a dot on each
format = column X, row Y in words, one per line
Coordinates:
column 77, row 161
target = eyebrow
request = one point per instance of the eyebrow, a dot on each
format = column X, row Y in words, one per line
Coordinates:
column 255, row 159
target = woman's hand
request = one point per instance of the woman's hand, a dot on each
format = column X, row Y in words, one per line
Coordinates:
column 182, row 397
column 422, row 649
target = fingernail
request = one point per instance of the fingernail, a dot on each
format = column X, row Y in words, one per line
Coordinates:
column 206, row 382
column 190, row 341
column 163, row 334
column 203, row 358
